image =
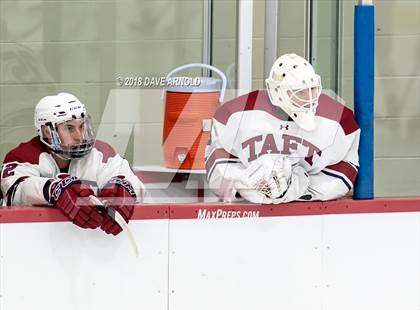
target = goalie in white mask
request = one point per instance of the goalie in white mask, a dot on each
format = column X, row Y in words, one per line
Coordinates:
column 287, row 143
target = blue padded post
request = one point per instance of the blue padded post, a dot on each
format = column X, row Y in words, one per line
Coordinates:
column 364, row 76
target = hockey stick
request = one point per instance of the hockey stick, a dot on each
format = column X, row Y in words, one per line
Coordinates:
column 103, row 207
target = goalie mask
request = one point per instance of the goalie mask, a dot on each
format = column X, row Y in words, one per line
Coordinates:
column 64, row 126
column 294, row 86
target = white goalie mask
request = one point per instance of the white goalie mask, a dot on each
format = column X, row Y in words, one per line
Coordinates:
column 64, row 126
column 294, row 86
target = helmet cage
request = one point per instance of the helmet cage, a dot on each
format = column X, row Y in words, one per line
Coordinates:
column 303, row 98
column 68, row 151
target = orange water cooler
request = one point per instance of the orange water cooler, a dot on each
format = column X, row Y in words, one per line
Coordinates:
column 190, row 104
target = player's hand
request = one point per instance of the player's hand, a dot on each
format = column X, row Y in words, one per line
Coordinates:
column 71, row 196
column 265, row 179
column 121, row 197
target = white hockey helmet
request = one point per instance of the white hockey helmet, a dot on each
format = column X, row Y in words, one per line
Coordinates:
column 294, row 86
column 52, row 111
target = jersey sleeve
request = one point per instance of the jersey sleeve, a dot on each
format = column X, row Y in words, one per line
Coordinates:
column 22, row 184
column 337, row 179
column 222, row 164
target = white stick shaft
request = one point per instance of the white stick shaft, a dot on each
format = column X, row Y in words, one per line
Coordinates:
column 119, row 219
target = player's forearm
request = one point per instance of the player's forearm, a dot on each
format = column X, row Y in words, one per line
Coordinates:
column 26, row 191
column 222, row 168
column 323, row 187
column 222, row 180
column 137, row 185
column 333, row 181
column 118, row 166
column 223, row 188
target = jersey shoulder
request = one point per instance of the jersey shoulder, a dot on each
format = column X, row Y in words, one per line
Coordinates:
column 27, row 152
column 331, row 109
column 105, row 149
column 257, row 100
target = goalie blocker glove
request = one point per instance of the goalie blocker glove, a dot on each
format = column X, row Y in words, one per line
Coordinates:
column 71, row 196
column 121, row 197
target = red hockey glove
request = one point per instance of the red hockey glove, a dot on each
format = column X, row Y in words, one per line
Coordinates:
column 121, row 197
column 72, row 197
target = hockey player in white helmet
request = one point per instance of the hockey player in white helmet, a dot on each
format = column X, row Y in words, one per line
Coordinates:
column 64, row 126
column 59, row 166
column 288, row 142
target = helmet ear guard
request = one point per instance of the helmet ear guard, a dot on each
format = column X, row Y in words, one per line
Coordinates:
column 294, row 86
